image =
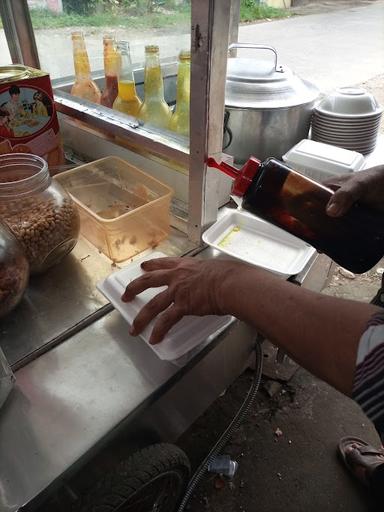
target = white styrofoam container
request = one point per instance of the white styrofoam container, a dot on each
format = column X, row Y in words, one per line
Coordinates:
column 321, row 161
column 187, row 334
column 253, row 240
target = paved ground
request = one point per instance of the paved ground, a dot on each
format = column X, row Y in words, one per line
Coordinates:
column 297, row 471
column 331, row 49
column 303, row 7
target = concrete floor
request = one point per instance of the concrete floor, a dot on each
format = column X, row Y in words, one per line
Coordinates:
column 296, row 472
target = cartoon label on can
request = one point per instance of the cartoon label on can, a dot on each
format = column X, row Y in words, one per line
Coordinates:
column 28, row 120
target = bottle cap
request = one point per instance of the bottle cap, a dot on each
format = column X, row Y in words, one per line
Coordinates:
column 242, row 177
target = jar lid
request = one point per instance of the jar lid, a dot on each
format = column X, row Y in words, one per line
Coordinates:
column 11, row 73
column 263, row 84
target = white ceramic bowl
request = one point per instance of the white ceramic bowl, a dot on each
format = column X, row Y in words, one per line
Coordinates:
column 350, row 101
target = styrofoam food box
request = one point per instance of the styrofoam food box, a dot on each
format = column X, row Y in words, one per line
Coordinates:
column 187, row 334
column 321, row 161
column 248, row 238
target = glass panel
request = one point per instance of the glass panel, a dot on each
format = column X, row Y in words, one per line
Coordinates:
column 156, row 23
column 5, row 57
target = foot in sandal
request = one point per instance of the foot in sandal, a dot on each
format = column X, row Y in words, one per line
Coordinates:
column 360, row 458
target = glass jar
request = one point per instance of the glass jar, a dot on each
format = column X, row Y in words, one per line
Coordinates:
column 7, row 379
column 40, row 213
column 14, row 271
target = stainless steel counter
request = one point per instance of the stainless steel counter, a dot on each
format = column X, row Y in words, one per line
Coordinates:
column 69, row 399
column 65, row 300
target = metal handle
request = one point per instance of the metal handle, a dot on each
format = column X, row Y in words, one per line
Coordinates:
column 251, row 46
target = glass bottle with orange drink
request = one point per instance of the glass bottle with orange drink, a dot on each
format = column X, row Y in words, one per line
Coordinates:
column 127, row 100
column 84, row 87
column 155, row 109
column 180, row 118
column 111, row 69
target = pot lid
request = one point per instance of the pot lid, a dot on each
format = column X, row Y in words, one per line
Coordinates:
column 260, row 84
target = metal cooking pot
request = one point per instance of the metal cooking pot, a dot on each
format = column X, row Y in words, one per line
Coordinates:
column 267, row 107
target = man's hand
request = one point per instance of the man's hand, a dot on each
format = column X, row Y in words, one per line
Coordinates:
column 195, row 287
column 366, row 187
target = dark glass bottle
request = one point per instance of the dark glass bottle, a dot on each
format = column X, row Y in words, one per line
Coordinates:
column 286, row 198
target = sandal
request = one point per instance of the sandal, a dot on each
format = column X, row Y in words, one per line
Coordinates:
column 360, row 458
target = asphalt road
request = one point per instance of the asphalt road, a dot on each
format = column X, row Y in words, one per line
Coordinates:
column 332, row 48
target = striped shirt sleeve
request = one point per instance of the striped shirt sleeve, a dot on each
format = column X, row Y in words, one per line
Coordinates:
column 368, row 387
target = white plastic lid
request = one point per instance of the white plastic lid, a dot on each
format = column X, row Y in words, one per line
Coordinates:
column 316, row 156
column 187, row 334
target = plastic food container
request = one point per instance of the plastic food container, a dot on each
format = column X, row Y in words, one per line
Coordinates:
column 185, row 336
column 123, row 211
column 39, row 212
column 321, row 161
column 247, row 238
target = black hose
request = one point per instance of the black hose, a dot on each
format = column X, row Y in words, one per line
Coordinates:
column 227, row 130
column 226, row 435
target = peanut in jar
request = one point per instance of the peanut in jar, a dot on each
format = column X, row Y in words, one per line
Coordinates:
column 40, row 213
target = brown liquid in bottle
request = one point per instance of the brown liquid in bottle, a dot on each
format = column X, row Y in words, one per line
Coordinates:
column 297, row 204
column 110, row 91
column 111, row 67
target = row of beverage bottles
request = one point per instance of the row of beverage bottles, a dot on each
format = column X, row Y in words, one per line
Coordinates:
column 120, row 93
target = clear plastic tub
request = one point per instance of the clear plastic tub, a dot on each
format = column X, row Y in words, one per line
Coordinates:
column 123, row 211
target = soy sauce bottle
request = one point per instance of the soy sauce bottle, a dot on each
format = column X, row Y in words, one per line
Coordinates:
column 291, row 201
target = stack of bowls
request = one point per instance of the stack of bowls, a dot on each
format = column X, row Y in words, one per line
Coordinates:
column 348, row 118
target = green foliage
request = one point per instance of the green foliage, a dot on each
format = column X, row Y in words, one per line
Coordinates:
column 42, row 18
column 81, row 7
column 139, row 14
column 251, row 10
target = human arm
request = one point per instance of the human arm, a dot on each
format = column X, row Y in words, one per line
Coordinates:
column 320, row 332
column 366, row 187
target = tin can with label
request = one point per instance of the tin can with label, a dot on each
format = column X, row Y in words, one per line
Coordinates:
column 28, row 119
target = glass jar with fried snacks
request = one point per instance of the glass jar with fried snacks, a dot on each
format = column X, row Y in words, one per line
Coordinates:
column 37, row 209
column 14, row 273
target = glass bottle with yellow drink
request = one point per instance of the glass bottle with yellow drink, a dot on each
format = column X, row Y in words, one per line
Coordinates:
column 127, row 100
column 84, row 86
column 155, row 109
column 180, row 118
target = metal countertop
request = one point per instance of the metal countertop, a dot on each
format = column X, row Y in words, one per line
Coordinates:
column 65, row 299
column 72, row 397
column 78, row 391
